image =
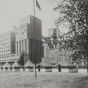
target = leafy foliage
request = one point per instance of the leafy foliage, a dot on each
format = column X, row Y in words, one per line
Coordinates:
column 75, row 12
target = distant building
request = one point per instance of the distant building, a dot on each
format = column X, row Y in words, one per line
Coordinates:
column 7, row 46
column 29, row 40
column 23, row 39
column 51, row 32
column 46, row 50
column 56, row 54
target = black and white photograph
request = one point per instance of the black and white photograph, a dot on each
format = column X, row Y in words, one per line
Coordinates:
column 43, row 43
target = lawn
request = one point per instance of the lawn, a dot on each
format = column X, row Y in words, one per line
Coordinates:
column 44, row 80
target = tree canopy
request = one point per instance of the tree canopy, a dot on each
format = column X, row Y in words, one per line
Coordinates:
column 75, row 12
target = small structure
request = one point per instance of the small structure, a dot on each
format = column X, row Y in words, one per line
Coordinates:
column 29, row 66
column 65, row 62
column 15, row 66
column 46, row 66
column 45, row 63
column 6, row 67
column 66, row 66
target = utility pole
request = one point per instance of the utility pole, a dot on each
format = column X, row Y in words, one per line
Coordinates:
column 34, row 39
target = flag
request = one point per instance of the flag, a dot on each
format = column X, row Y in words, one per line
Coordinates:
column 37, row 4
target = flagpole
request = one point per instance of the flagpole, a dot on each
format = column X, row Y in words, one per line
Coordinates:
column 34, row 39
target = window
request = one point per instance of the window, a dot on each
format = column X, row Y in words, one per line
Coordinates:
column 17, row 46
column 25, row 29
column 22, row 33
column 20, row 45
column 25, row 45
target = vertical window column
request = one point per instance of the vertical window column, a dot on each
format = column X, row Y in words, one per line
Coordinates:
column 17, row 46
column 25, row 45
column 30, row 50
column 20, row 47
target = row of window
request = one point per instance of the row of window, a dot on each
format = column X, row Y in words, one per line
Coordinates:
column 21, row 32
column 4, row 35
column 5, row 43
column 3, row 40
column 5, row 47
column 5, row 51
column 9, row 59
column 4, row 56
column 8, row 55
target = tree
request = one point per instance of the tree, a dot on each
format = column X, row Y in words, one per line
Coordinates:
column 75, row 12
column 21, row 60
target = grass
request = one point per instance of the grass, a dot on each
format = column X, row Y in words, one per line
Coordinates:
column 44, row 80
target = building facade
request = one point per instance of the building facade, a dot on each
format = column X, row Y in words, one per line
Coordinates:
column 51, row 32
column 23, row 39
column 7, row 46
column 29, row 40
column 56, row 54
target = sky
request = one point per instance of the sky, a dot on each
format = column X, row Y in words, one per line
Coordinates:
column 11, row 11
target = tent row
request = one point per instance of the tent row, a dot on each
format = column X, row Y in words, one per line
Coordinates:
column 29, row 66
column 42, row 67
column 16, row 64
column 64, row 62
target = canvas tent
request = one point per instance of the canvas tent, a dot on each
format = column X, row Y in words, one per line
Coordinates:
column 6, row 65
column 28, row 64
column 65, row 62
column 45, row 63
column 15, row 64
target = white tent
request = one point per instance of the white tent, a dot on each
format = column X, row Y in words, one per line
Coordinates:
column 45, row 63
column 29, row 64
column 15, row 64
column 65, row 62
column 6, row 65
